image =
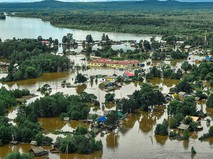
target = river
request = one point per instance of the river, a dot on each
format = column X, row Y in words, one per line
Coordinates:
column 136, row 140
column 33, row 27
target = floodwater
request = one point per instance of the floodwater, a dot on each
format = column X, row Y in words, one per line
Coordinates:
column 136, row 139
column 34, row 27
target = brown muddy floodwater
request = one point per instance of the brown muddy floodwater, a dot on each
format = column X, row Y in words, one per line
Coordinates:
column 136, row 138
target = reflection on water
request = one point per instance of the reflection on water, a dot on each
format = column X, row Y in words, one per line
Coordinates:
column 52, row 124
column 161, row 139
column 186, row 144
column 149, row 119
column 112, row 140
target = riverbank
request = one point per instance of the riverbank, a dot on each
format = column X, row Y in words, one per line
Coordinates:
column 160, row 22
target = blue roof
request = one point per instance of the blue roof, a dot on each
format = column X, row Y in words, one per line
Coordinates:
column 102, row 119
column 208, row 58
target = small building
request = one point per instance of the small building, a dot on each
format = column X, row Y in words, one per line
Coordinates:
column 208, row 58
column 13, row 142
column 110, row 78
column 88, row 136
column 106, row 112
column 128, row 75
column 179, row 43
column 96, row 130
column 182, row 94
column 38, row 151
column 102, row 119
column 183, row 126
column 34, row 143
column 194, row 118
column 187, row 48
column 46, row 42
column 66, row 118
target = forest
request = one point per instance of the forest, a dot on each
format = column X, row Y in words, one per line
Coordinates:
column 146, row 17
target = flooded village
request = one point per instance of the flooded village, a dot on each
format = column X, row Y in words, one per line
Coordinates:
column 108, row 73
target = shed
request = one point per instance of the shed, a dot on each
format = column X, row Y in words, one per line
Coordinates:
column 183, row 126
column 38, row 151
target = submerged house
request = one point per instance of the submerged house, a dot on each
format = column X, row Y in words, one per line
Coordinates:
column 38, row 151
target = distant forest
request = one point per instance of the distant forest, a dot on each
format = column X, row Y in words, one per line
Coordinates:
column 140, row 17
column 108, row 6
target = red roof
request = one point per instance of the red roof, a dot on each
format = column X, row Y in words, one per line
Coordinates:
column 129, row 74
column 45, row 41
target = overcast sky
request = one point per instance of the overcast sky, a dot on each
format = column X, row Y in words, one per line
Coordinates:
column 95, row 0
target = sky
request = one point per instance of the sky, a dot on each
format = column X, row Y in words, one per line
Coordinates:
column 95, row 0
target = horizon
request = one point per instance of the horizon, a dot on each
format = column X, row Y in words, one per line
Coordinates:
column 23, row 1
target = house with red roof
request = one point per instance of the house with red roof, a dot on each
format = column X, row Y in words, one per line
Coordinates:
column 128, row 75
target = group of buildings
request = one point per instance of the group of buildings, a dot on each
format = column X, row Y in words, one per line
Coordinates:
column 104, row 62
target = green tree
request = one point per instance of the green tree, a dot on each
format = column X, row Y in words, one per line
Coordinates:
column 43, row 140
column 109, row 97
column 186, row 66
column 112, row 118
column 146, row 45
column 162, row 129
column 209, row 102
column 89, row 39
column 184, row 86
column 186, row 135
column 80, row 78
